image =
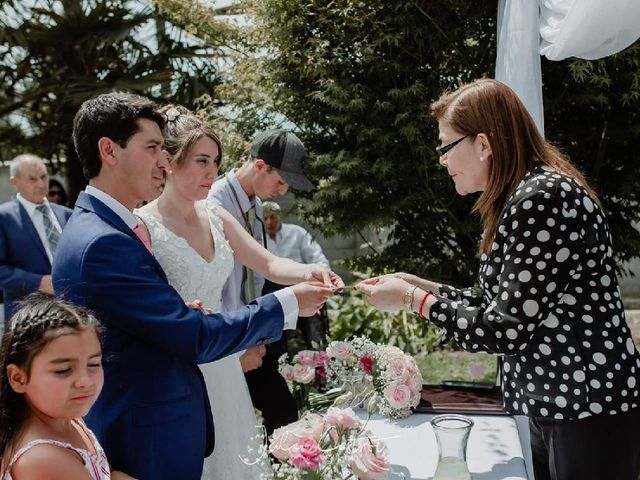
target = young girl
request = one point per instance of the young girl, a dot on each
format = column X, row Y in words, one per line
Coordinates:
column 50, row 375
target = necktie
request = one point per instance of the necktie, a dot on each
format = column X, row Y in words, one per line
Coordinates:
column 50, row 230
column 143, row 235
column 250, row 285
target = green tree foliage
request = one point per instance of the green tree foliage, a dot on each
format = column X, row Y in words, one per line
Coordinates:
column 357, row 78
column 56, row 54
column 592, row 113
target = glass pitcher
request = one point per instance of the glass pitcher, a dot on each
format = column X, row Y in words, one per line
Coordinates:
column 452, row 433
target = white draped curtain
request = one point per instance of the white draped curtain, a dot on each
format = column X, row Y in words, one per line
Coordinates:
column 558, row 29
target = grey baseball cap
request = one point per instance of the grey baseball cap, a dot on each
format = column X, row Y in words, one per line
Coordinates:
column 283, row 150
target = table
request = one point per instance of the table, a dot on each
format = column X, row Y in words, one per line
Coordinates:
column 494, row 450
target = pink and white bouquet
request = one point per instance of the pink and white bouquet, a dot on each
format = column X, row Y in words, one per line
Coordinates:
column 333, row 446
column 360, row 371
column 397, row 380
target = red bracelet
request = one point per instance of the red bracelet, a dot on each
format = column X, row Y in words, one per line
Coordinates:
column 424, row 299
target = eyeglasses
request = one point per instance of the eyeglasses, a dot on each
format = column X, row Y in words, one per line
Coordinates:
column 55, row 193
column 443, row 150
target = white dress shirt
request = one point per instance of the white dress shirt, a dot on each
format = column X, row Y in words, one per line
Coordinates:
column 286, row 297
column 38, row 222
column 119, row 209
column 294, row 242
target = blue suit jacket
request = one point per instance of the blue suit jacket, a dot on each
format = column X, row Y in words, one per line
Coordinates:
column 153, row 416
column 23, row 259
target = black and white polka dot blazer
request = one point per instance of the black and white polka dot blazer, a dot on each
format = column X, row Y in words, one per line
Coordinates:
column 549, row 303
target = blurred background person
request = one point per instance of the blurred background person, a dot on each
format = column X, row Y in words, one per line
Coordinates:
column 294, row 242
column 289, row 240
column 57, row 194
column 30, row 227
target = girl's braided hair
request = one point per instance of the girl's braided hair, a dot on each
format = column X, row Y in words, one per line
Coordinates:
column 39, row 319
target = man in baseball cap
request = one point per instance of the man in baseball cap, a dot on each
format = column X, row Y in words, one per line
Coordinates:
column 282, row 150
column 275, row 163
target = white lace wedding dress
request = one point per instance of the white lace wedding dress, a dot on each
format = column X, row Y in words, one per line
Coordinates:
column 233, row 414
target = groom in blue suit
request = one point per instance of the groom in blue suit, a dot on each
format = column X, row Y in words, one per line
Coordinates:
column 30, row 227
column 153, row 416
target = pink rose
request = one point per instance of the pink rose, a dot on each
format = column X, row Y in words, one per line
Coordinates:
column 306, row 455
column 342, row 417
column 369, row 461
column 366, row 364
column 287, row 372
column 283, row 438
column 414, row 382
column 321, row 359
column 304, row 357
column 412, row 367
column 304, row 373
column 398, row 367
column 321, row 371
column 398, row 395
column 341, row 351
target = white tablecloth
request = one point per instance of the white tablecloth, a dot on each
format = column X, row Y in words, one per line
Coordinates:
column 494, row 451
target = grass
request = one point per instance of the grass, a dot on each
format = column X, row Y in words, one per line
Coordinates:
column 446, row 365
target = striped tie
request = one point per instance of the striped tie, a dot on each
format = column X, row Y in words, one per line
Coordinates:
column 49, row 228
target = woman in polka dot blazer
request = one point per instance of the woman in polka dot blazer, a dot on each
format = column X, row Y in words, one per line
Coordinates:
column 548, row 300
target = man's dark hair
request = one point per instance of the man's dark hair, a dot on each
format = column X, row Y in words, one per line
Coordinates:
column 112, row 115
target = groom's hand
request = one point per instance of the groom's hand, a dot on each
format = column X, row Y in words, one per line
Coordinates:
column 311, row 296
column 251, row 359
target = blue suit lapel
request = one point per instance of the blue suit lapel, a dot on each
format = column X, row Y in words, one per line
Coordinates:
column 27, row 226
column 93, row 205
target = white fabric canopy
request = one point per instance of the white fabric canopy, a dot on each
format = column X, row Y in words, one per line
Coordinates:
column 587, row 28
column 518, row 60
column 558, row 29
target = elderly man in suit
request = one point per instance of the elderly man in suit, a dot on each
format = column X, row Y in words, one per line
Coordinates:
column 153, row 416
column 30, row 229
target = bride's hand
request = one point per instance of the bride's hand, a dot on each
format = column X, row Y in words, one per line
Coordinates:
column 320, row 273
column 323, row 274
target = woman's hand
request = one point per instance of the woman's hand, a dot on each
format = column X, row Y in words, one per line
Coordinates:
column 385, row 292
column 418, row 282
column 407, row 277
column 322, row 274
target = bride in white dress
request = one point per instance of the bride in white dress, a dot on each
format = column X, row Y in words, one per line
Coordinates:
column 195, row 243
